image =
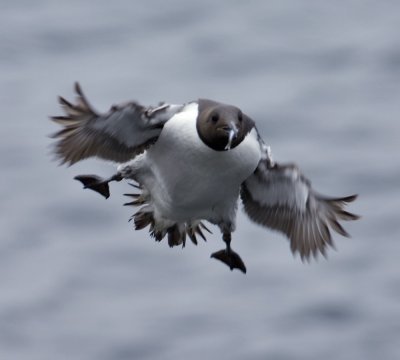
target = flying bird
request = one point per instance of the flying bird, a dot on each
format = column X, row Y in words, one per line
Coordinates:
column 190, row 164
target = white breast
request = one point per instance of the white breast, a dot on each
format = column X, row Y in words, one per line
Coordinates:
column 190, row 177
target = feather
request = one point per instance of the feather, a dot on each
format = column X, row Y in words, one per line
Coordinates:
column 281, row 197
column 125, row 131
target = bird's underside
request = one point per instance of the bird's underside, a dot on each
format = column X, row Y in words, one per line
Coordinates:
column 175, row 232
column 275, row 195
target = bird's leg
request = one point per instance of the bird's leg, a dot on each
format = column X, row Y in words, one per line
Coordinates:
column 228, row 256
column 98, row 184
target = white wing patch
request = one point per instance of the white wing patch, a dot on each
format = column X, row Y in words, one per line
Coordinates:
column 278, row 188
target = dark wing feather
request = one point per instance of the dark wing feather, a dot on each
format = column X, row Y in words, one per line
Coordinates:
column 123, row 132
column 281, row 198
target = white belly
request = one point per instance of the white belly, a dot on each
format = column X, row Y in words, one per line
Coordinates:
column 190, row 179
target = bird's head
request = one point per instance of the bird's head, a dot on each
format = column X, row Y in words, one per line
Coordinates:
column 221, row 127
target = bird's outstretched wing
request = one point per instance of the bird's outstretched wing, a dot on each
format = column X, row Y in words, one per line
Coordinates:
column 281, row 198
column 123, row 132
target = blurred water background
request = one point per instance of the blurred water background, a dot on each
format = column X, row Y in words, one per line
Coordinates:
column 322, row 80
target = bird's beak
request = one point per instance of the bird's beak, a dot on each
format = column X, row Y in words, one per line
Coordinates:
column 232, row 134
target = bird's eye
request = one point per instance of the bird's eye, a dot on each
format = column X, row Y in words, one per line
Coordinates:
column 215, row 118
column 240, row 116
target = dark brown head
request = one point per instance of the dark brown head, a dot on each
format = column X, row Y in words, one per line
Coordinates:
column 222, row 127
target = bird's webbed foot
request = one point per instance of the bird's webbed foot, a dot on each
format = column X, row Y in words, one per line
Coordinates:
column 98, row 184
column 228, row 256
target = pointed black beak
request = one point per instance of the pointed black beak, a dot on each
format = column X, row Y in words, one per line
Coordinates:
column 232, row 131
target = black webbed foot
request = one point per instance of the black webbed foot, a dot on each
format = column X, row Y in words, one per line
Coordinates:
column 98, row 184
column 230, row 258
column 95, row 183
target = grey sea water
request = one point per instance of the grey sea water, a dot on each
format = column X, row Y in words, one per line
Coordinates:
column 322, row 80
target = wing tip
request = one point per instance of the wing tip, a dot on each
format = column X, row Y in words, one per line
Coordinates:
column 78, row 88
column 350, row 198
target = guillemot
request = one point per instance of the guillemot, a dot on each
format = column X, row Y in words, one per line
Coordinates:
column 191, row 163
